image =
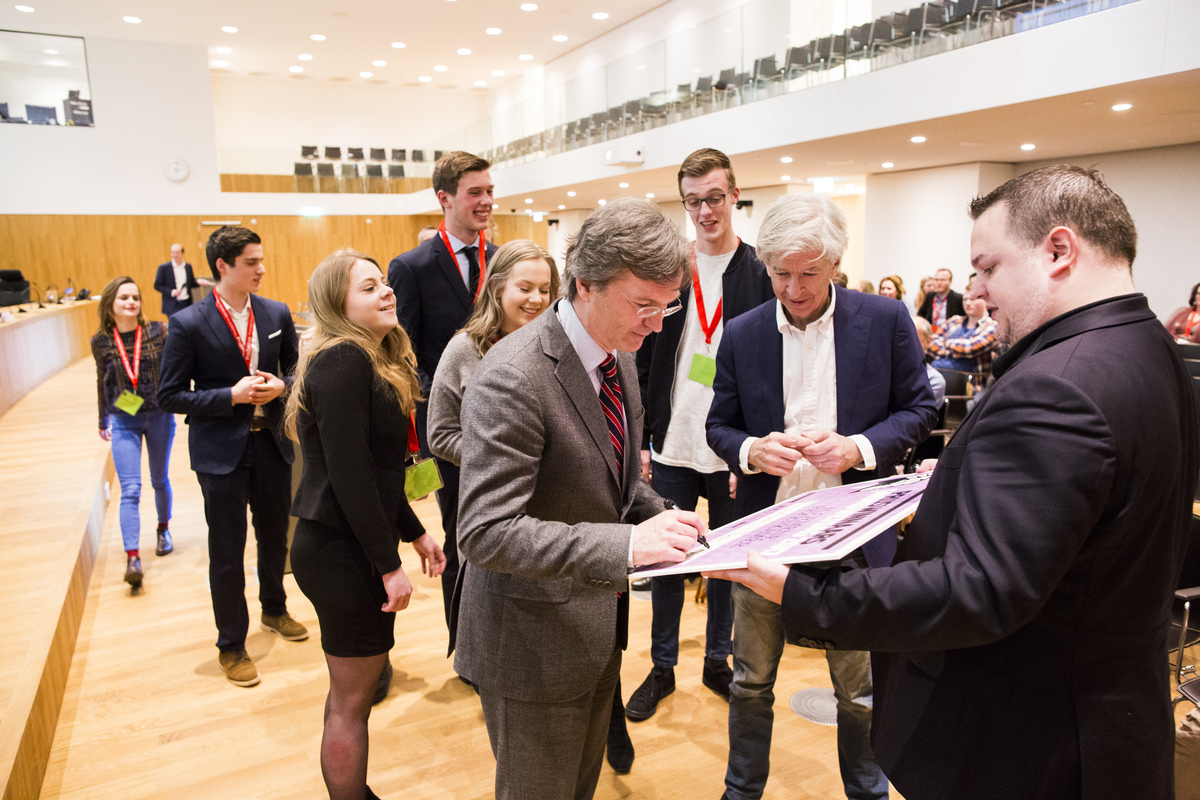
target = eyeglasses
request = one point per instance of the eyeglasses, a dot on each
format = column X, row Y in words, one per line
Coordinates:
column 713, row 200
column 652, row 311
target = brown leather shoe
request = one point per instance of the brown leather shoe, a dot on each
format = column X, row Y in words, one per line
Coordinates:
column 238, row 667
column 133, row 571
column 285, row 626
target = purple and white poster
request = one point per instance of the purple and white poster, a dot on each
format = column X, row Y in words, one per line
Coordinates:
column 823, row 525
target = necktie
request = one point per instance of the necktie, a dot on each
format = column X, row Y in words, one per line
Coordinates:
column 613, row 404
column 472, row 268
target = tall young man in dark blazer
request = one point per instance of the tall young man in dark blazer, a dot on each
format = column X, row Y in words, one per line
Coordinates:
column 943, row 302
column 822, row 387
column 1019, row 637
column 436, row 284
column 227, row 361
column 727, row 280
column 175, row 281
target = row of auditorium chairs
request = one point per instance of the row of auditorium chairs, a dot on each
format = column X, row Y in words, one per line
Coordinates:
column 890, row 33
column 347, row 178
column 399, row 154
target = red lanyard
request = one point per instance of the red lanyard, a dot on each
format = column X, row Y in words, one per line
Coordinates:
column 454, row 257
column 1192, row 317
column 708, row 326
column 136, row 369
column 414, row 444
column 246, row 346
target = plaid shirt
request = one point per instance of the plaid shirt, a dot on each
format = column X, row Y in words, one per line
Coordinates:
column 111, row 379
column 956, row 341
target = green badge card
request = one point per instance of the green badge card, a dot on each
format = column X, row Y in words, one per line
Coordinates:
column 704, row 369
column 129, row 402
column 421, row 478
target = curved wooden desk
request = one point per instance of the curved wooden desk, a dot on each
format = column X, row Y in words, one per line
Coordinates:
column 39, row 343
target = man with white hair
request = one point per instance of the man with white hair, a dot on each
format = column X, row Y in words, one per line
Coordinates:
column 1019, row 637
column 822, row 387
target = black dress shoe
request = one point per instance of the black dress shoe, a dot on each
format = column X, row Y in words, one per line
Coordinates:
column 620, row 746
column 658, row 684
column 385, row 683
column 371, row 795
column 133, row 571
column 165, row 545
column 717, row 676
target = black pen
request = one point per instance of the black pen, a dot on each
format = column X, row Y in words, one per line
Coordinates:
column 669, row 505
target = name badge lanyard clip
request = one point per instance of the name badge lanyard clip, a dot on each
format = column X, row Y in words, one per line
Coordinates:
column 244, row 347
column 454, row 257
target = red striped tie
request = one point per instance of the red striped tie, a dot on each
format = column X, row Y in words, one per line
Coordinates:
column 613, row 404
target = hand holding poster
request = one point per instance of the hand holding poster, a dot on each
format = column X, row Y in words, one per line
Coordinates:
column 823, row 525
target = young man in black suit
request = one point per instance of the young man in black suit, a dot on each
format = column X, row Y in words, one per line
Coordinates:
column 227, row 361
column 943, row 303
column 436, row 284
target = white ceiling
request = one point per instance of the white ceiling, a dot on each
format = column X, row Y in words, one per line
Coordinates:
column 272, row 33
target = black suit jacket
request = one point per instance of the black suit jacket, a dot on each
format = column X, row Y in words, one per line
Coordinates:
column 744, row 285
column 200, row 364
column 954, row 306
column 353, row 438
column 164, row 282
column 432, row 302
column 1019, row 640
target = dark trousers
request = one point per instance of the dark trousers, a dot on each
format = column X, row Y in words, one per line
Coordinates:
column 685, row 487
column 262, row 481
column 447, row 500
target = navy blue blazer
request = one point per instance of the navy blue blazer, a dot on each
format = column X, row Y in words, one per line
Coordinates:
column 164, row 283
column 883, row 393
column 200, row 364
column 432, row 302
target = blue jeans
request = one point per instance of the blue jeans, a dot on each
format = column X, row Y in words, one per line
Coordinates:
column 757, row 648
column 158, row 427
column 685, row 487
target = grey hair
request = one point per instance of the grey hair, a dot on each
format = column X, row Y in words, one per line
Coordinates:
column 627, row 234
column 802, row 223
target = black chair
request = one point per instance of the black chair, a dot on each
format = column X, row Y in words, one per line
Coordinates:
column 302, row 177
column 350, row 181
column 1191, row 351
column 333, row 153
column 327, row 181
column 797, row 60
column 395, row 170
column 764, row 72
column 933, row 445
column 858, row 41
column 14, row 289
column 399, row 154
column 309, row 152
column 376, row 183
column 418, row 156
column 378, row 154
column 957, row 395
column 831, row 51
column 354, row 154
column 927, row 18
column 1185, row 627
column 437, row 154
column 1193, row 367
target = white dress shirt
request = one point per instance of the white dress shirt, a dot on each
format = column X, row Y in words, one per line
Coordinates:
column 241, row 321
column 810, row 399
column 460, row 256
column 180, row 275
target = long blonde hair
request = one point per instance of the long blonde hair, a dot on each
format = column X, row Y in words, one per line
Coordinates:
column 484, row 324
column 393, row 360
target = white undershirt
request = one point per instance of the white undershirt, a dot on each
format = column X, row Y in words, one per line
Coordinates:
column 180, row 275
column 241, row 320
column 685, row 444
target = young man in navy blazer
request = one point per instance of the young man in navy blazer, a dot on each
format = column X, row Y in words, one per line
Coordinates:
column 435, row 284
column 674, row 452
column 822, row 387
column 227, row 361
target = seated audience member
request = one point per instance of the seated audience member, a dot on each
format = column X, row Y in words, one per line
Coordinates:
column 1018, row 638
column 426, row 233
column 355, row 387
column 866, row 287
column 841, row 279
column 942, row 303
column 892, row 287
column 924, row 289
column 966, row 342
column 1184, row 323
column 127, row 350
column 936, row 381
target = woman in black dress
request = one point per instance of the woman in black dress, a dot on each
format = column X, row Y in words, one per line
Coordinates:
column 355, row 387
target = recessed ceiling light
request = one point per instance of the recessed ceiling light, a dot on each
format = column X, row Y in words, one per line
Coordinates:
column 440, row 68
column 305, row 57
column 917, row 139
column 366, row 74
column 570, row 194
column 318, row 37
column 424, row 79
column 496, row 73
column 378, row 63
column 623, row 185
column 600, row 15
column 493, row 31
column 55, row 52
column 649, row 195
column 218, row 63
column 528, row 199
column 601, row 201
column 1122, row 107
column 525, row 57
column 529, row 6
column 1028, row 146
column 887, row 165
column 559, row 37
column 26, row 9
column 229, row 29
column 785, row 160
column 225, row 50
column 785, row 178
column 133, row 20
column 561, row 206
column 399, row 45
column 464, row 51
column 481, row 83
column 296, row 70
